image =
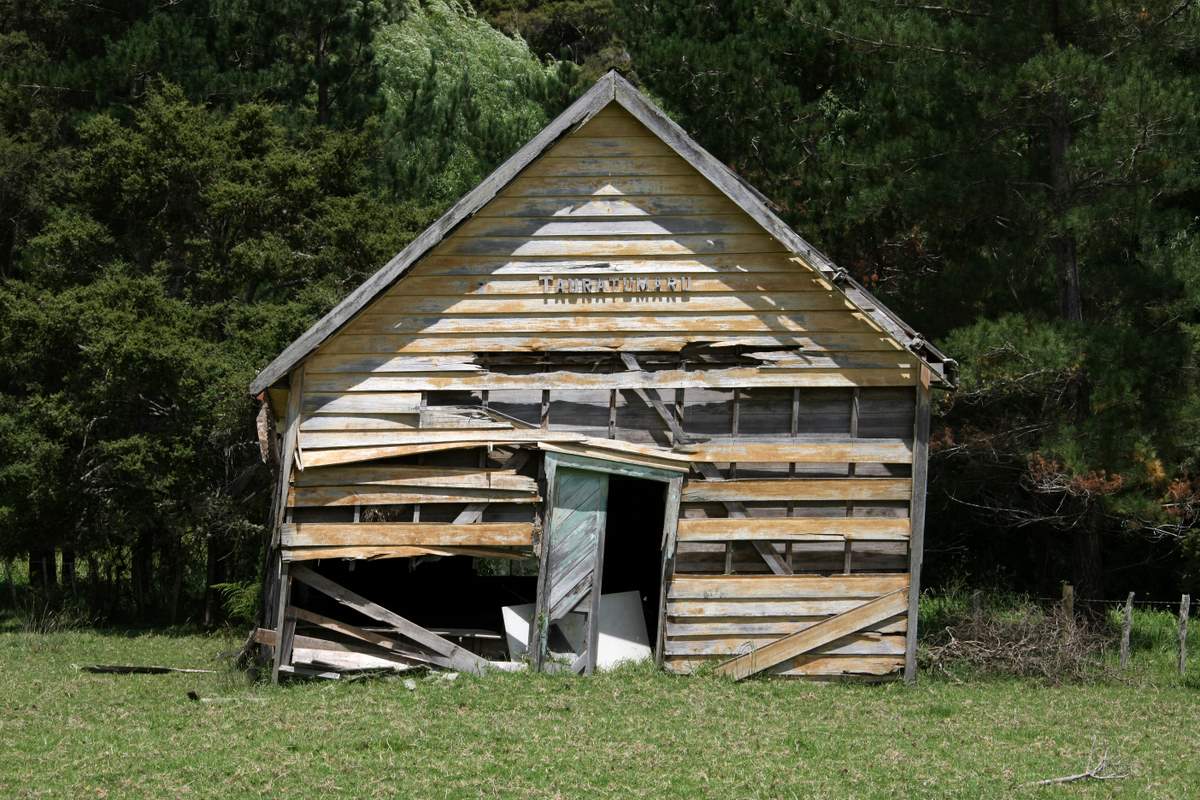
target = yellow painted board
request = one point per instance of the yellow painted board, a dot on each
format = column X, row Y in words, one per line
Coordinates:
column 361, row 534
column 834, row 587
column 799, row 489
column 861, row 451
column 794, row 528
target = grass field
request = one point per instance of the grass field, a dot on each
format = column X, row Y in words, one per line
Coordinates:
column 632, row 733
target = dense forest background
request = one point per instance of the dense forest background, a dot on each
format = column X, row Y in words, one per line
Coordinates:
column 185, row 186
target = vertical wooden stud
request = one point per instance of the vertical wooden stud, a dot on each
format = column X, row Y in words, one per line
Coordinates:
column 851, row 468
column 916, row 541
column 545, row 408
column 670, row 529
column 678, row 414
column 539, row 624
column 291, row 439
column 734, row 422
column 593, row 620
column 483, row 451
column 612, row 413
column 793, row 428
column 283, row 652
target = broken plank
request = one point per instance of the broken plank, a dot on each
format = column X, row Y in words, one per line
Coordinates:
column 344, row 661
column 344, row 656
column 458, row 657
column 408, row 475
column 370, row 637
column 349, row 455
column 419, row 437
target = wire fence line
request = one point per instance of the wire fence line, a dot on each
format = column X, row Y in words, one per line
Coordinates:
column 1122, row 601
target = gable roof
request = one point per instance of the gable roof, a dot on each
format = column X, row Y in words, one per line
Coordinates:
column 610, row 88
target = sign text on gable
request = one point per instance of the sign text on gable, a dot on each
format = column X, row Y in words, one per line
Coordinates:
column 552, row 284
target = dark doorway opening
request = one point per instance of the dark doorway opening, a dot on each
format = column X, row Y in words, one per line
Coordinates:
column 633, row 543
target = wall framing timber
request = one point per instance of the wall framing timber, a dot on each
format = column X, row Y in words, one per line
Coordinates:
column 615, row 301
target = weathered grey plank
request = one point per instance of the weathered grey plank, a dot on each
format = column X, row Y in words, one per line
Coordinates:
column 920, row 471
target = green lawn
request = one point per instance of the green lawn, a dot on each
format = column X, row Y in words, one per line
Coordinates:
column 634, row 733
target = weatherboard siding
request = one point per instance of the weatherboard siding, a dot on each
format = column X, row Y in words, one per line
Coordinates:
column 816, row 449
column 613, row 193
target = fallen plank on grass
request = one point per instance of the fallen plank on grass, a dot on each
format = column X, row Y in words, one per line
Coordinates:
column 137, row 669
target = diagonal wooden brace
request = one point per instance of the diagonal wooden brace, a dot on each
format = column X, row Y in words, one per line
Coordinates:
column 801, row 642
column 651, row 397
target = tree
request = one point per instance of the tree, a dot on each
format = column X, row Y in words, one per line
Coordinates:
column 460, row 98
column 184, row 249
column 1019, row 181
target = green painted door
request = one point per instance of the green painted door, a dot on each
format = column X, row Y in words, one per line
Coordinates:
column 576, row 525
column 572, row 560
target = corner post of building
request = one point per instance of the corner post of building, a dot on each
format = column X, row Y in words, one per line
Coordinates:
column 287, row 460
column 920, row 474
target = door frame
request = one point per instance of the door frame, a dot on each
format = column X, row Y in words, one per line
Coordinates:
column 539, row 625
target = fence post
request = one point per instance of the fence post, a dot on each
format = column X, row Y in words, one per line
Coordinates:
column 1126, row 626
column 1068, row 599
column 1185, row 604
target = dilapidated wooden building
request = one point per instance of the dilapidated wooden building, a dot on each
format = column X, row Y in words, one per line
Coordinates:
column 610, row 368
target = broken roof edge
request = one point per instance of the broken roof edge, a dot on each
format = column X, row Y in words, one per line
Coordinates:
column 612, row 87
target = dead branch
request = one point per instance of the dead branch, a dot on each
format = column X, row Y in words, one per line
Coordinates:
column 1026, row 642
column 1101, row 770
